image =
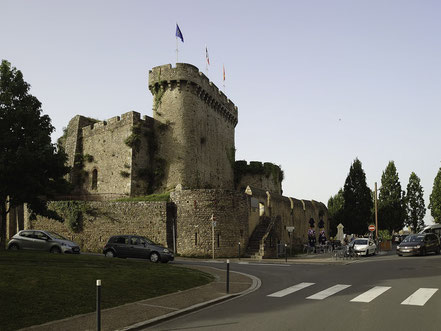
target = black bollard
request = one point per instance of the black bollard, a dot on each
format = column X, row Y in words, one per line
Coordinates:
column 239, row 250
column 286, row 253
column 228, row 276
column 98, row 304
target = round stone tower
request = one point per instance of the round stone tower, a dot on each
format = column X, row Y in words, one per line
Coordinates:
column 194, row 128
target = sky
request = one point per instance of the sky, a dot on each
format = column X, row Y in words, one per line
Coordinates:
column 317, row 83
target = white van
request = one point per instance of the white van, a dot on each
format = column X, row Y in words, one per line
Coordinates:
column 434, row 228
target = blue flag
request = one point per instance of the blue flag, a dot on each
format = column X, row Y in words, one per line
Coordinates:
column 179, row 33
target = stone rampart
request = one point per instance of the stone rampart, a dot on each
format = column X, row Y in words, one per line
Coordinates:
column 111, row 164
column 290, row 212
column 106, row 219
column 266, row 176
column 195, row 209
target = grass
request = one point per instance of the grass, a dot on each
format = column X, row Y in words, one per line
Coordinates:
column 40, row 287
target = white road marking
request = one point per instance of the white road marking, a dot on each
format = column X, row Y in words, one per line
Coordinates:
column 328, row 292
column 290, row 290
column 420, row 297
column 371, row 294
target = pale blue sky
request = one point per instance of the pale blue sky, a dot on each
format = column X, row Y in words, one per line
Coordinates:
column 317, row 83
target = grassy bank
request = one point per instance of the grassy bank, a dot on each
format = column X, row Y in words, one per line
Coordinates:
column 39, row 287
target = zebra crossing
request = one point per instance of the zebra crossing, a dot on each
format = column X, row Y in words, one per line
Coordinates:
column 417, row 298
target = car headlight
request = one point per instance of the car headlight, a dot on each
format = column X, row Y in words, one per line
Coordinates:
column 165, row 250
column 418, row 246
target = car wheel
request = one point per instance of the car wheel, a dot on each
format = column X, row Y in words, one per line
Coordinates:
column 437, row 251
column 14, row 247
column 423, row 252
column 55, row 250
column 109, row 254
column 154, row 257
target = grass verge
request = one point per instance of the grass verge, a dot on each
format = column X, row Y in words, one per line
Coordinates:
column 40, row 287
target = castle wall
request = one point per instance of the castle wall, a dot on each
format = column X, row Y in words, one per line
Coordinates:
column 73, row 144
column 113, row 161
column 265, row 183
column 107, row 219
column 290, row 212
column 193, row 220
column 194, row 123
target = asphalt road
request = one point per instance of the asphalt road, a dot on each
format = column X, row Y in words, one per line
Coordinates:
column 387, row 293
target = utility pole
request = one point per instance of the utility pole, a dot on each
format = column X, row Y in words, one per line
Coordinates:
column 376, row 213
column 213, row 224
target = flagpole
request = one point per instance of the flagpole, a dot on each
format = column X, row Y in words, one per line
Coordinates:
column 206, row 60
column 176, row 49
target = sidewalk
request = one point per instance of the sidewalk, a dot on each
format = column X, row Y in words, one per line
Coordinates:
column 140, row 314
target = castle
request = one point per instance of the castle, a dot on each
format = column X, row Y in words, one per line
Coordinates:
column 187, row 148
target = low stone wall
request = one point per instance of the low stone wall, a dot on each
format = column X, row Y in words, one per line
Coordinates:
column 105, row 219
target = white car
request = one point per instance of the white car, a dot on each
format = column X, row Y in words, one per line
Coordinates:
column 363, row 246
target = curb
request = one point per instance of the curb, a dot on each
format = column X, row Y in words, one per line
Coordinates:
column 141, row 325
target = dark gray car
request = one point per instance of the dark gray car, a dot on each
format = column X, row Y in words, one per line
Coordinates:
column 137, row 247
column 40, row 240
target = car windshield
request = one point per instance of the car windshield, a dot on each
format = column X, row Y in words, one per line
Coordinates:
column 360, row 242
column 413, row 239
column 55, row 235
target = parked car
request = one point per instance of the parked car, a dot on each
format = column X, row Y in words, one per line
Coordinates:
column 138, row 247
column 363, row 246
column 419, row 244
column 40, row 240
column 434, row 228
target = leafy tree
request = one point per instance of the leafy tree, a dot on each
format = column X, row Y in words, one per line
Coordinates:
column 415, row 207
column 335, row 211
column 31, row 167
column 391, row 206
column 435, row 198
column 357, row 211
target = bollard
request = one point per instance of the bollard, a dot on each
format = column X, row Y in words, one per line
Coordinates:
column 286, row 253
column 228, row 276
column 239, row 250
column 98, row 304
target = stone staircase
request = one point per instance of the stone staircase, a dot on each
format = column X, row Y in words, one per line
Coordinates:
column 256, row 244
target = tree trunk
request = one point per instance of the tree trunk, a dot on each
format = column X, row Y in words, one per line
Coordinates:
column 3, row 225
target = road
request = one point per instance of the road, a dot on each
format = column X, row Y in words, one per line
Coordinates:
column 373, row 293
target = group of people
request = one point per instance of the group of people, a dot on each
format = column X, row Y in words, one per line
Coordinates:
column 312, row 238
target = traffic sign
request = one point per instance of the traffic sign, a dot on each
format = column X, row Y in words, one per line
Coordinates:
column 371, row 228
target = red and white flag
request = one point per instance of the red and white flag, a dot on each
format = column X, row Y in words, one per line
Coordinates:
column 223, row 72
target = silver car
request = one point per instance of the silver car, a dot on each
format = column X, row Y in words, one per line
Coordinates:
column 42, row 241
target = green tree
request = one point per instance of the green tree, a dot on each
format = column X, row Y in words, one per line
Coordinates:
column 391, row 206
column 415, row 207
column 435, row 198
column 31, row 167
column 357, row 211
column 335, row 211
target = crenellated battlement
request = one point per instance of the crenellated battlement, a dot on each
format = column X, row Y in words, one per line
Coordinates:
column 130, row 118
column 186, row 77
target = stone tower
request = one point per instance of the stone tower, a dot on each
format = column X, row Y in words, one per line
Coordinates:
column 194, row 124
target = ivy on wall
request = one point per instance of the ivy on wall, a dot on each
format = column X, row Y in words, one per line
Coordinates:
column 72, row 213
